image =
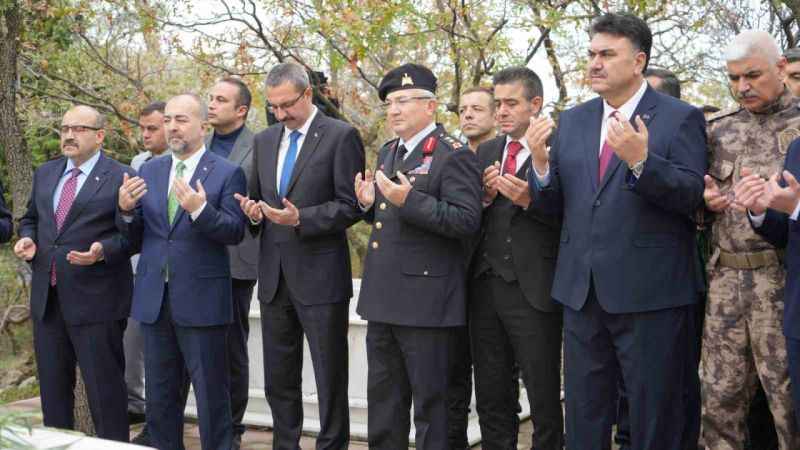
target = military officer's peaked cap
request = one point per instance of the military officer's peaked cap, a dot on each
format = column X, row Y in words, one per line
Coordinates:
column 407, row 76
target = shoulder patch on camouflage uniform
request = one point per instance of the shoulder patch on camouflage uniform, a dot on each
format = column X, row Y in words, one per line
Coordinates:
column 785, row 137
column 724, row 113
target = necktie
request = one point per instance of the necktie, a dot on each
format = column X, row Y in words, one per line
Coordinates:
column 64, row 204
column 172, row 201
column 510, row 165
column 288, row 162
column 399, row 157
column 605, row 154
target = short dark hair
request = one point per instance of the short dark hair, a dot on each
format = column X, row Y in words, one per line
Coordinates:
column 709, row 109
column 628, row 26
column 244, row 97
column 670, row 84
column 792, row 54
column 481, row 90
column 528, row 78
column 157, row 106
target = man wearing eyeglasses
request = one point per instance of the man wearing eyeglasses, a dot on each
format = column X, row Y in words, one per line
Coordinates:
column 426, row 204
column 302, row 200
column 82, row 281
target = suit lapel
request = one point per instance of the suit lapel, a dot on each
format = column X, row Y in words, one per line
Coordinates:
column 271, row 161
column 310, row 143
column 161, row 188
column 241, row 148
column 591, row 144
column 93, row 182
column 415, row 158
column 493, row 153
column 204, row 167
column 50, row 184
column 387, row 167
column 645, row 109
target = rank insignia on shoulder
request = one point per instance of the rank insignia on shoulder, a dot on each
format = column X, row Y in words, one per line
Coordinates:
column 455, row 143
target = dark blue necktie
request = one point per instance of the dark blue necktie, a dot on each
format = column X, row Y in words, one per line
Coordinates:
column 288, row 162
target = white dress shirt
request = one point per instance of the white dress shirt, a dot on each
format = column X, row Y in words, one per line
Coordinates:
column 412, row 143
column 188, row 172
column 625, row 111
column 522, row 155
column 283, row 148
column 83, row 172
column 759, row 219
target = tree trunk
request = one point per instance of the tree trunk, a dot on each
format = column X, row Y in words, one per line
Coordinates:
column 83, row 417
column 12, row 142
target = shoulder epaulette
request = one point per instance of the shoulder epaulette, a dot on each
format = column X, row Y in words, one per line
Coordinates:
column 724, row 113
column 452, row 142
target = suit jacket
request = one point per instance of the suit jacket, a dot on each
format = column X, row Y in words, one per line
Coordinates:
column 782, row 232
column 633, row 238
column 244, row 257
column 533, row 236
column 6, row 225
column 86, row 294
column 313, row 257
column 195, row 250
column 415, row 271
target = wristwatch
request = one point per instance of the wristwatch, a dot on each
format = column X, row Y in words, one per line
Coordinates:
column 638, row 168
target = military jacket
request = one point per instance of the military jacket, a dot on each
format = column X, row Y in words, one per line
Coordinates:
column 759, row 141
column 415, row 270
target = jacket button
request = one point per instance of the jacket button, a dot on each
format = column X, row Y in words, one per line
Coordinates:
column 382, row 205
column 378, row 225
column 506, row 257
column 412, row 179
column 508, row 239
column 375, row 245
column 425, row 273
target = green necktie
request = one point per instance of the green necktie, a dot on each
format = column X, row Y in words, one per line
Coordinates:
column 172, row 201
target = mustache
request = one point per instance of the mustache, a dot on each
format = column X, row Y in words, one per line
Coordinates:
column 596, row 73
column 67, row 142
column 746, row 95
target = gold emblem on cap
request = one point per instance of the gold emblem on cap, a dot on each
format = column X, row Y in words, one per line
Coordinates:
column 406, row 80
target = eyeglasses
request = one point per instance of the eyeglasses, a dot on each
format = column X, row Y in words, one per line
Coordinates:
column 402, row 101
column 77, row 129
column 289, row 104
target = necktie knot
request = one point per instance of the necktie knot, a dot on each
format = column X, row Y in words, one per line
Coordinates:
column 513, row 148
column 295, row 135
column 510, row 165
column 179, row 168
column 75, row 172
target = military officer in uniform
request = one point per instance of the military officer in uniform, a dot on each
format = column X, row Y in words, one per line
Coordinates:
column 423, row 202
column 742, row 339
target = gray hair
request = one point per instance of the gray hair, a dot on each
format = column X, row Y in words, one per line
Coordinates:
column 202, row 106
column 288, row 72
column 750, row 42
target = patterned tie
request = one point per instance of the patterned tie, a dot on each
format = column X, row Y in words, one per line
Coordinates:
column 605, row 153
column 64, row 204
column 510, row 165
column 172, row 201
column 288, row 162
column 399, row 157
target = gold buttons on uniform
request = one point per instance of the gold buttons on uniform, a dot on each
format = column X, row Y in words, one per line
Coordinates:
column 375, row 245
column 382, row 205
column 378, row 225
column 425, row 273
column 412, row 179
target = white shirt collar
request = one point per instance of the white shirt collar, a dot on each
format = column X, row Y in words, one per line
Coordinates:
column 412, row 143
column 87, row 166
column 628, row 108
column 190, row 162
column 304, row 129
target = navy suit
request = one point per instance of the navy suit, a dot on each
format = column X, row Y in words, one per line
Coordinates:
column 782, row 232
column 6, row 225
column 625, row 270
column 82, row 318
column 184, row 319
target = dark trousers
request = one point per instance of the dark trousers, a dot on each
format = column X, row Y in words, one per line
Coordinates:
column 649, row 350
column 171, row 351
column 406, row 363
column 505, row 328
column 691, row 432
column 97, row 349
column 239, row 362
column 284, row 321
column 793, row 353
column 459, row 391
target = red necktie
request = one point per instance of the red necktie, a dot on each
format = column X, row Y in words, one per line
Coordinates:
column 510, row 165
column 605, row 153
column 64, row 205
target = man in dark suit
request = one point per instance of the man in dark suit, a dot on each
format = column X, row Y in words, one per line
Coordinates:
column 774, row 209
column 6, row 225
column 228, row 107
column 512, row 316
column 626, row 172
column 82, row 282
column 302, row 200
column 183, row 224
column 426, row 205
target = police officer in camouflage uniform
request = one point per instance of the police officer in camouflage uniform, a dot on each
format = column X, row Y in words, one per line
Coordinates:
column 742, row 336
column 423, row 203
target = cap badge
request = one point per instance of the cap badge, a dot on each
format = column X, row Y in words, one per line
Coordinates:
column 406, row 80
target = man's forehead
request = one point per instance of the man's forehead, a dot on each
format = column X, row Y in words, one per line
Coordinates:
column 76, row 115
column 408, row 93
column 223, row 89
column 515, row 89
column 476, row 98
column 605, row 41
column 752, row 63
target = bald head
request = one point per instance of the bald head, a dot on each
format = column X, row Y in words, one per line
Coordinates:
column 95, row 117
column 185, row 118
column 751, row 43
